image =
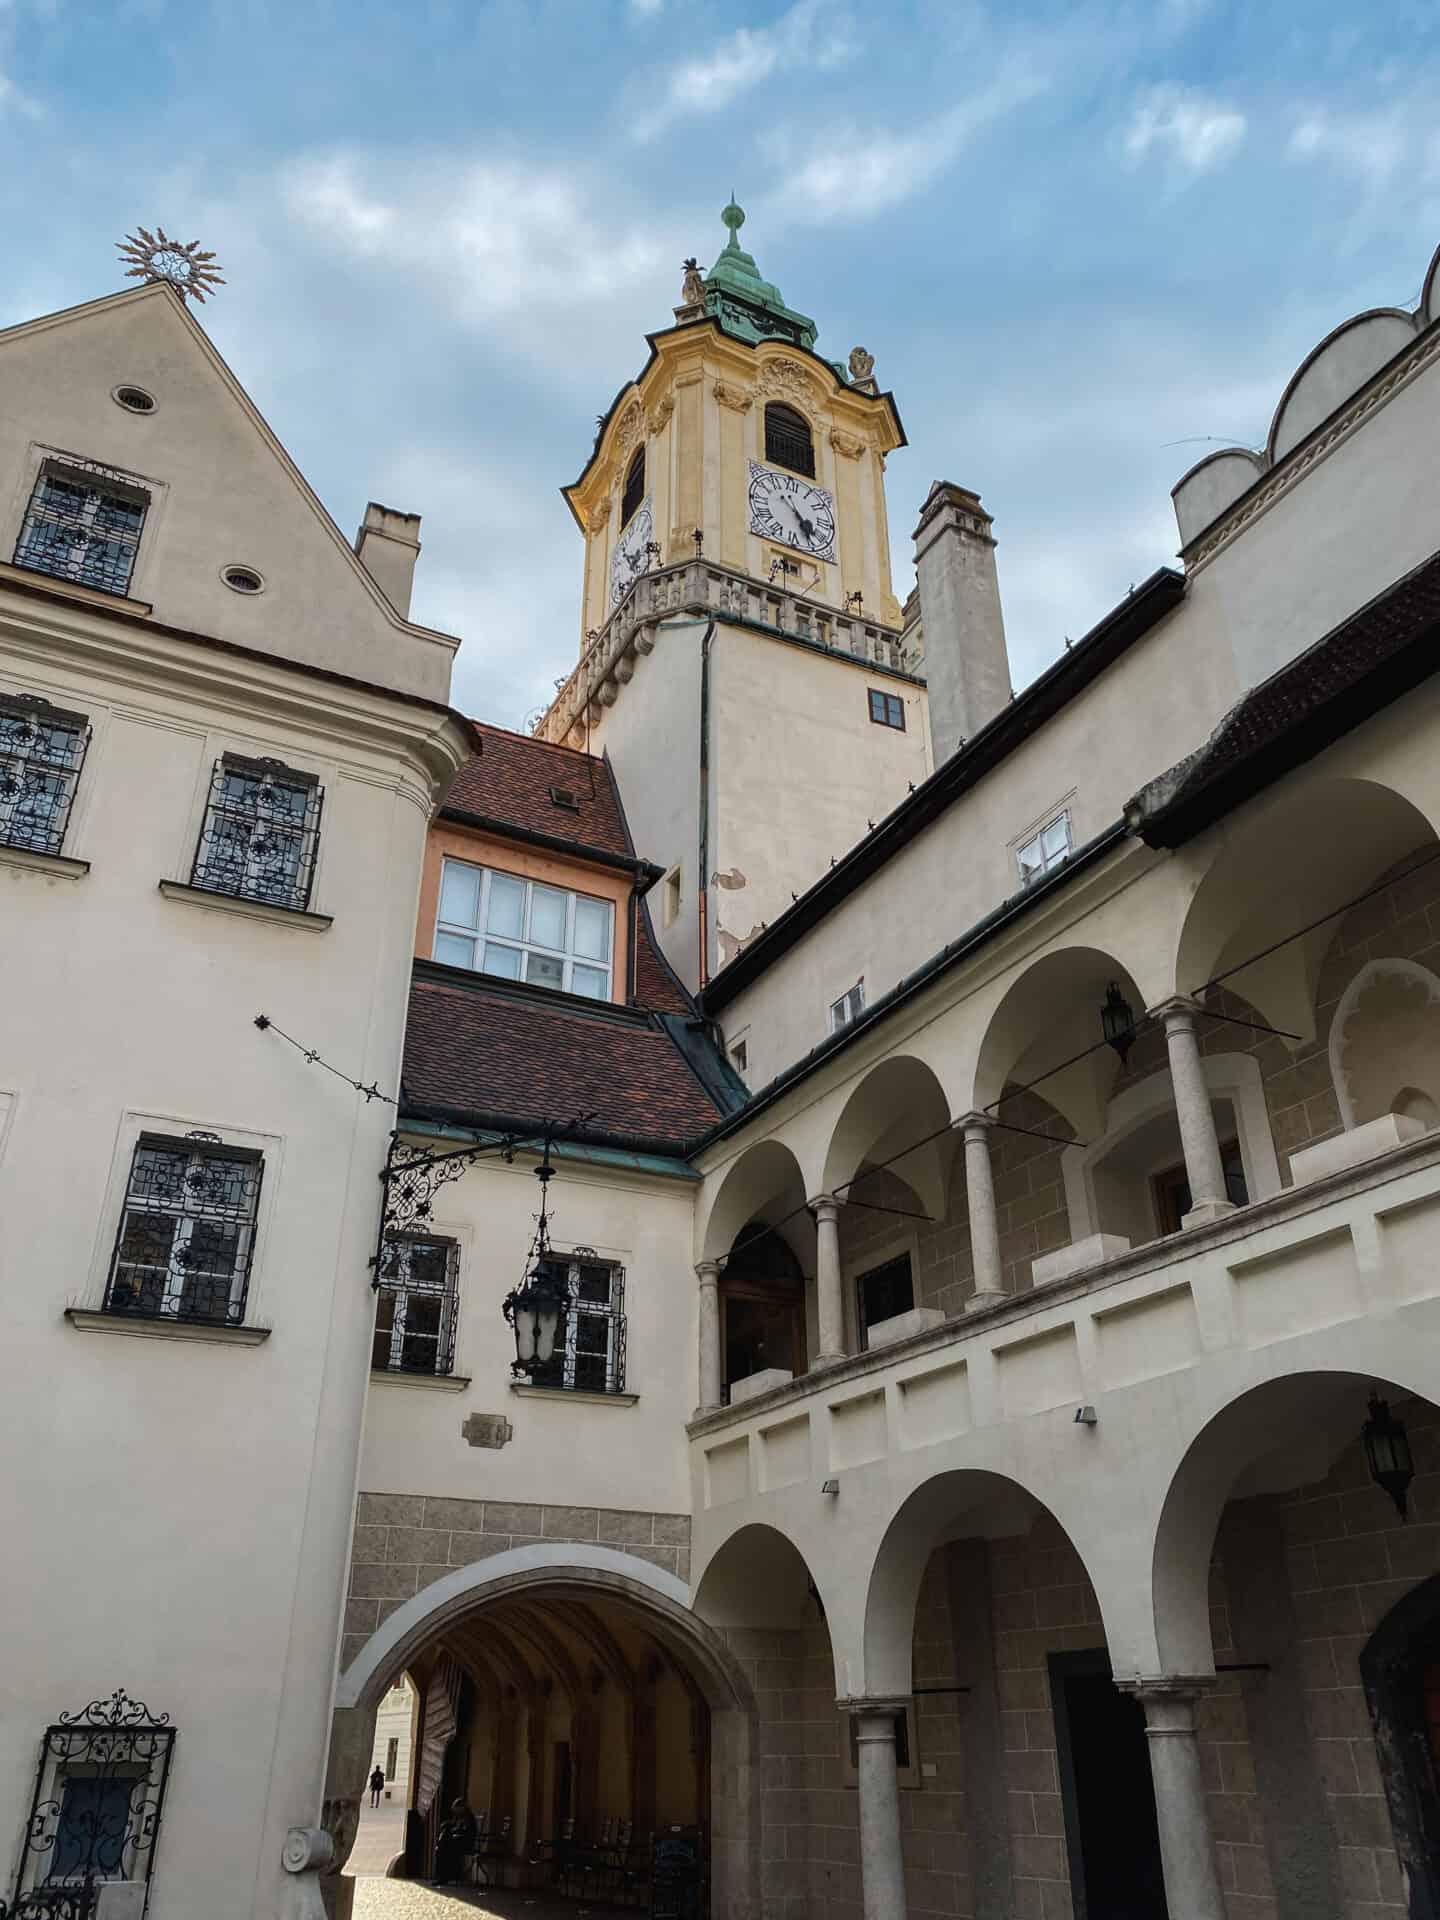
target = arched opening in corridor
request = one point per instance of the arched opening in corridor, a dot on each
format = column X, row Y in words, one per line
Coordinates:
column 1284, row 1565
column 982, row 1614
column 575, row 1724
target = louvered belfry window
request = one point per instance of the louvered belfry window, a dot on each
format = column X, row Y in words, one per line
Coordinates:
column 788, row 442
column 634, row 486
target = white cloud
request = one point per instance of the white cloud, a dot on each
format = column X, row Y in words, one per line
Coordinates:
column 646, row 9
column 714, row 80
column 859, row 175
column 1368, row 145
column 1197, row 132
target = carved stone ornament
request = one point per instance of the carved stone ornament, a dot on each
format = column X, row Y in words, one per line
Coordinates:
column 862, row 364
column 486, row 1430
column 600, row 512
column 739, row 399
column 632, row 425
column 846, row 444
column 308, row 1852
column 787, row 377
column 660, row 417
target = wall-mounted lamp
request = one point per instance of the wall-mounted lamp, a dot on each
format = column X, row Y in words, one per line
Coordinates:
column 831, row 1486
column 1387, row 1451
column 699, row 538
column 1086, row 1417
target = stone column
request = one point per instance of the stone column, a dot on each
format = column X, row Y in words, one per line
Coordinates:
column 1192, row 1110
column 984, row 1221
column 829, row 1306
column 708, row 1274
column 1187, row 1853
column 882, row 1862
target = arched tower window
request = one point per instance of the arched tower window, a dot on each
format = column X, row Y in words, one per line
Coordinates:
column 788, row 442
column 634, row 486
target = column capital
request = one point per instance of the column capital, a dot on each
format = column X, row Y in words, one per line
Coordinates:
column 887, row 1705
column 707, row 1272
column 1169, row 1699
column 973, row 1124
column 825, row 1207
column 1178, row 1011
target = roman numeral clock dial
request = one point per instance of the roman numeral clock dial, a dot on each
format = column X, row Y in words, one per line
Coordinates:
column 793, row 511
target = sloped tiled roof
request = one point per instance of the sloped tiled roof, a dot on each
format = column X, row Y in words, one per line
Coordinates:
column 479, row 1047
column 509, row 783
column 656, row 984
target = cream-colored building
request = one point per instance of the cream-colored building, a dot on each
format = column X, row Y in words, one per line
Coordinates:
column 221, row 740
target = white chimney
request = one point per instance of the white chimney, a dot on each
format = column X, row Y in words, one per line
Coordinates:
column 388, row 544
column 966, row 665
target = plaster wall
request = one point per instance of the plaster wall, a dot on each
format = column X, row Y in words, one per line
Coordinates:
column 652, row 735
column 222, row 491
column 1155, row 705
column 195, row 1470
column 1337, row 537
column 611, row 1452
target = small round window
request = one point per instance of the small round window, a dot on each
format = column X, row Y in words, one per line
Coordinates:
column 134, row 399
column 243, row 580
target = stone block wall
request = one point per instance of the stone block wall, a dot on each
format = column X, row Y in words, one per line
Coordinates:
column 405, row 1541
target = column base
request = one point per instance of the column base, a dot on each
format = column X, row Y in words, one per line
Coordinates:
column 1206, row 1212
column 984, row 1297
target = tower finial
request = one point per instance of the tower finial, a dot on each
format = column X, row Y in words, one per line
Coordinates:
column 734, row 218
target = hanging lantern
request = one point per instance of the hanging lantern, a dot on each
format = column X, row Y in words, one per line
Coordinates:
column 533, row 1309
column 1117, row 1021
column 1387, row 1452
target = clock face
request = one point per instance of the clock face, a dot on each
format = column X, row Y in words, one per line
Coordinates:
column 630, row 558
column 793, row 511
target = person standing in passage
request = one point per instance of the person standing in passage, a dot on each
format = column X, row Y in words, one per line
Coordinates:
column 453, row 1844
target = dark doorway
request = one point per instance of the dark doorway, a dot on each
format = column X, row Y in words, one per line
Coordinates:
column 1107, row 1792
column 560, row 1813
column 1400, row 1667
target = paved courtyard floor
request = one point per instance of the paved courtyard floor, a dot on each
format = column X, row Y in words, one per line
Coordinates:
column 377, row 1899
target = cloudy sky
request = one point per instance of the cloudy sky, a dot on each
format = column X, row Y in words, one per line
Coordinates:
column 1085, row 241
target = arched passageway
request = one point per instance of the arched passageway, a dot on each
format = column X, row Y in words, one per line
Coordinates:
column 581, row 1714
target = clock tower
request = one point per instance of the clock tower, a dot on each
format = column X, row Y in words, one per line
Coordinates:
column 737, row 610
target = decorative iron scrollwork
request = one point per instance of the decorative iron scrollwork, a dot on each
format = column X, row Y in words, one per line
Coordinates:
column 96, row 1808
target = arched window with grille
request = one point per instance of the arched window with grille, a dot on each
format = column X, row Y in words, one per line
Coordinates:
column 634, row 486
column 788, row 441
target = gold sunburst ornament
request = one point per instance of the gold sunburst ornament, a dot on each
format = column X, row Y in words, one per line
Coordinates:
column 183, row 265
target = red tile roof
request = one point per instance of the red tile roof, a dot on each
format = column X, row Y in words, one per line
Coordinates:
column 474, row 1047
column 509, row 782
column 656, row 984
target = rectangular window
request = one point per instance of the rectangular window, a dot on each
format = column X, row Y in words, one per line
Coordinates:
column 261, row 833
column 887, row 709
column 520, row 930
column 392, row 1756
column 884, row 1292
column 96, row 1807
column 41, row 752
column 415, row 1312
column 187, row 1232
column 670, row 897
column 848, row 1007
column 589, row 1352
column 740, row 1055
column 82, row 529
column 1046, row 850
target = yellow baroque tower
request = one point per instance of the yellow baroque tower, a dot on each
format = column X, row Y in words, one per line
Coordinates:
column 734, row 499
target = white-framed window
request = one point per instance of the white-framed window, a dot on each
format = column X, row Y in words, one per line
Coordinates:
column 589, row 1351
column 848, row 1007
column 523, row 930
column 187, row 1230
column 416, row 1307
column 740, row 1054
column 1045, row 849
column 261, row 832
column 670, row 897
column 42, row 749
column 84, row 527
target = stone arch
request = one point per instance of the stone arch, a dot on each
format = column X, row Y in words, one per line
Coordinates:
column 1270, row 1437
column 1051, row 1015
column 1237, row 911
column 763, row 1183
column 1388, row 1049
column 897, row 1115
column 660, row 1605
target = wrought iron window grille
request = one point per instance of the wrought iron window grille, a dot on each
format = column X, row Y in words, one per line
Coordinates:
column 95, row 1811
column 589, row 1355
column 84, row 525
column 788, row 441
column 261, row 833
column 42, row 749
column 418, row 1305
column 187, row 1231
